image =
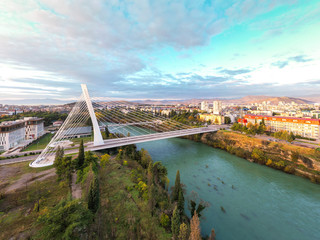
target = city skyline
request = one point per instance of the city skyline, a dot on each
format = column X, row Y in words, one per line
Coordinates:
column 158, row 50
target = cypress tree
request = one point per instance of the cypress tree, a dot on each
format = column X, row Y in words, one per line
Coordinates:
column 195, row 228
column 181, row 202
column 177, row 187
column 175, row 223
column 80, row 159
column 58, row 162
column 106, row 130
column 94, row 196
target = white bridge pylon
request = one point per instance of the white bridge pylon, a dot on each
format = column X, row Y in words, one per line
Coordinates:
column 127, row 123
column 98, row 140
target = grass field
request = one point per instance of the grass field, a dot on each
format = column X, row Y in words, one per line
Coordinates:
column 43, row 142
column 40, row 143
column 18, row 216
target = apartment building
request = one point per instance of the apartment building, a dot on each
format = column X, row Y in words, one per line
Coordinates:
column 11, row 134
column 213, row 118
column 304, row 127
column 34, row 127
column 204, row 106
column 14, row 133
column 217, row 107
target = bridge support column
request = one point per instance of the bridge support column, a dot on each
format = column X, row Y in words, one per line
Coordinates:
column 98, row 140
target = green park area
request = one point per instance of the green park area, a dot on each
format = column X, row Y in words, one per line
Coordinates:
column 40, row 143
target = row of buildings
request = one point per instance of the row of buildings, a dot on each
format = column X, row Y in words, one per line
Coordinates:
column 304, row 127
column 15, row 133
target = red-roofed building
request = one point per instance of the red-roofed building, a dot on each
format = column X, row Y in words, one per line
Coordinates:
column 304, row 127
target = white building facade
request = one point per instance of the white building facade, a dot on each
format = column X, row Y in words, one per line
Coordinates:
column 14, row 133
column 34, row 128
column 11, row 134
column 204, row 106
column 217, row 107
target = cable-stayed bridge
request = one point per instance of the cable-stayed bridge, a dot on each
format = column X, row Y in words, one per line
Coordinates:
column 127, row 123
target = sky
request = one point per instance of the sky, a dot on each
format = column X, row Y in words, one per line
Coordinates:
column 158, row 49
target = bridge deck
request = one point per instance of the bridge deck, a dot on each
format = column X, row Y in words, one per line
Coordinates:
column 118, row 142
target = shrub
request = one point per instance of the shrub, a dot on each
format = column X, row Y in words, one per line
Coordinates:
column 258, row 155
column 269, row 162
column 104, row 160
column 164, row 220
column 289, row 169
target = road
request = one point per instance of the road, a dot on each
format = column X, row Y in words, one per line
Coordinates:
column 33, row 157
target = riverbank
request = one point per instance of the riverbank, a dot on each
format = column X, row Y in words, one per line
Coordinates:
column 300, row 161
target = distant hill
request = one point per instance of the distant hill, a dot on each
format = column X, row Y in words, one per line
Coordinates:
column 273, row 100
column 244, row 100
column 313, row 98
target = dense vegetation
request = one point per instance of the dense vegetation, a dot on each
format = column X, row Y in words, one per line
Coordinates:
column 123, row 196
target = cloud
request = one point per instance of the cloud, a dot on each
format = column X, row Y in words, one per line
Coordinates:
column 280, row 64
column 297, row 59
column 300, row 59
column 235, row 72
column 49, row 46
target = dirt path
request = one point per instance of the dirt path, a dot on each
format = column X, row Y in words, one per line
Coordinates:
column 76, row 188
column 30, row 178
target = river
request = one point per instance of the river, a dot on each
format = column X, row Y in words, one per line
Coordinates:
column 259, row 202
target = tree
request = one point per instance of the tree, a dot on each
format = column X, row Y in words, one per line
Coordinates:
column 227, row 120
column 106, row 130
column 150, row 174
column 90, row 158
column 64, row 169
column 151, row 198
column 80, row 159
column 145, row 158
column 194, row 198
column 262, row 122
column 184, row 232
column 160, row 174
column 175, row 222
column 164, row 220
column 58, row 161
column 104, row 160
column 258, row 154
column 261, row 129
column 177, row 187
column 69, row 219
column 195, row 233
column 94, row 196
column 236, row 127
column 181, row 202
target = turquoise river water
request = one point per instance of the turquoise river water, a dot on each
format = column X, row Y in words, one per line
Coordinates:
column 259, row 202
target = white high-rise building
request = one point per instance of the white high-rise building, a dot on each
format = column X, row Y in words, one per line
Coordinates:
column 217, row 107
column 204, row 106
